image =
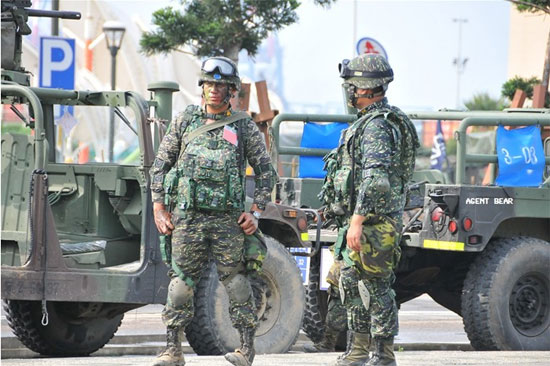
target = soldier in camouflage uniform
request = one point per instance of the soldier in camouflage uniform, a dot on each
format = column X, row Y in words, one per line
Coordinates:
column 336, row 320
column 365, row 188
column 207, row 221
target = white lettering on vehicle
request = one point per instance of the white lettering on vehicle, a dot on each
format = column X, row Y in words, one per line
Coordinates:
column 477, row 200
column 485, row 201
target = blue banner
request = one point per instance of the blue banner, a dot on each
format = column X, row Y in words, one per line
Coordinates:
column 520, row 157
column 439, row 152
column 321, row 136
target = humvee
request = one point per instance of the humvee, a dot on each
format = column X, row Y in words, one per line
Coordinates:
column 482, row 251
column 79, row 244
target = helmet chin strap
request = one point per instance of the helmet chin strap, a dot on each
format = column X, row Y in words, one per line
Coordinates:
column 376, row 92
column 226, row 99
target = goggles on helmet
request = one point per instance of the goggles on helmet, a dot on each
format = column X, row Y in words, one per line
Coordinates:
column 346, row 72
column 225, row 68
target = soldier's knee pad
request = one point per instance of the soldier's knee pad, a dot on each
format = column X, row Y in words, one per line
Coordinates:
column 238, row 288
column 179, row 292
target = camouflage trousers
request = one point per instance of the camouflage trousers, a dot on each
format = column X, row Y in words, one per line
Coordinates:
column 337, row 317
column 336, row 312
column 201, row 237
column 373, row 267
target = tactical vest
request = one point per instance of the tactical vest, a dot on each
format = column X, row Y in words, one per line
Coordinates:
column 343, row 166
column 209, row 173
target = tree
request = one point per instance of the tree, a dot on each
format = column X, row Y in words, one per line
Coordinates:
column 484, row 102
column 517, row 82
column 219, row 27
column 538, row 6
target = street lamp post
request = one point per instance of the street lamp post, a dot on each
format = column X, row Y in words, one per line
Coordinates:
column 114, row 32
column 459, row 61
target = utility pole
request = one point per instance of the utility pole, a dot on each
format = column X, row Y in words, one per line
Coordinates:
column 354, row 37
column 459, row 61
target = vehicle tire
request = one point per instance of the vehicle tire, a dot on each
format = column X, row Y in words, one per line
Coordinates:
column 280, row 312
column 65, row 334
column 506, row 296
column 315, row 311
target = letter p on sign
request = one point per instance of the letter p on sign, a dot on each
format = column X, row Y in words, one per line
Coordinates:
column 57, row 62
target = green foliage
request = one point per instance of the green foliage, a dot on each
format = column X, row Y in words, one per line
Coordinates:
column 517, row 82
column 219, row 27
column 450, row 147
column 484, row 102
column 532, row 6
column 17, row 128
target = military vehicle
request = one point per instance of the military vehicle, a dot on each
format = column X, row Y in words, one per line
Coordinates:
column 79, row 244
column 482, row 251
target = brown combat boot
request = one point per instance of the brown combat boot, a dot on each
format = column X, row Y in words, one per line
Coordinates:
column 358, row 353
column 244, row 355
column 383, row 353
column 172, row 354
column 327, row 344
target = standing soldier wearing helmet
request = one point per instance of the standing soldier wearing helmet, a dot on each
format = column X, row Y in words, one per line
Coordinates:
column 365, row 189
column 206, row 149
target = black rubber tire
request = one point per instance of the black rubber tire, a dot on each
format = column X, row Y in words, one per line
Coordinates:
column 281, row 312
column 64, row 335
column 506, row 296
column 315, row 311
column 316, row 303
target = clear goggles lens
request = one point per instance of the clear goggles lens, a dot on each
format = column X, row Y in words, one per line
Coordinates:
column 224, row 67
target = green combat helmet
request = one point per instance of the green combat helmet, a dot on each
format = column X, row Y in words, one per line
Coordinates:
column 220, row 70
column 368, row 71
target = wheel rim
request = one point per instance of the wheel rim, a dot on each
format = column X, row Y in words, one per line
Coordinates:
column 270, row 308
column 529, row 308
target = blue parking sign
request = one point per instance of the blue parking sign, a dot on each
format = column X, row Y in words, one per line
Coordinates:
column 57, row 63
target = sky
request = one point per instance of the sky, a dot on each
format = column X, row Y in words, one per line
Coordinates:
column 421, row 41
column 420, row 38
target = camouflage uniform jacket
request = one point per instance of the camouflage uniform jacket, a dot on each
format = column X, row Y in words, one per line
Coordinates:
column 374, row 161
column 254, row 149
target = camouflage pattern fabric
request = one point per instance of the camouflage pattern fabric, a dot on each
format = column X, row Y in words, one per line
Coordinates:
column 205, row 220
column 380, row 250
column 254, row 147
column 333, row 275
column 254, row 253
column 380, row 320
column 197, row 237
column 372, row 166
column 369, row 63
column 379, row 150
column 337, row 318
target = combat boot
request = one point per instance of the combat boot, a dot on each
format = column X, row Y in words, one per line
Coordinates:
column 327, row 344
column 172, row 354
column 358, row 353
column 349, row 342
column 383, row 353
column 244, row 355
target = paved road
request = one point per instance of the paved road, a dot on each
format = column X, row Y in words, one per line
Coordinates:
column 406, row 358
column 429, row 336
column 424, row 325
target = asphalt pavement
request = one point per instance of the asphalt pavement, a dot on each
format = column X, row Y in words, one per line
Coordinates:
column 404, row 358
column 429, row 335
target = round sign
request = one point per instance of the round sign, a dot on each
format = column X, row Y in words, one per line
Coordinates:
column 370, row 45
